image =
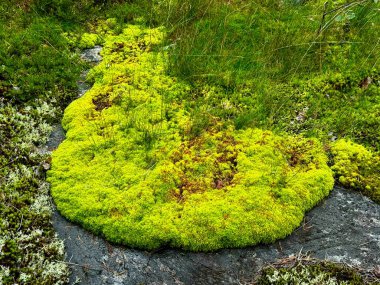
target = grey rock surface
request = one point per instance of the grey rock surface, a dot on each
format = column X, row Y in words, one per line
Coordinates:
column 56, row 137
column 83, row 85
column 92, row 54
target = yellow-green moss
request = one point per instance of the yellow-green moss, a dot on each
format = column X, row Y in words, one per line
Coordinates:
column 356, row 167
column 132, row 168
column 89, row 41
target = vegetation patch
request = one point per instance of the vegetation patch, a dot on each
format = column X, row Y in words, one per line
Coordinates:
column 307, row 270
column 30, row 251
column 38, row 74
column 316, row 74
column 138, row 168
column 356, row 167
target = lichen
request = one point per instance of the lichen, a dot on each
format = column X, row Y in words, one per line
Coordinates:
column 29, row 248
column 307, row 270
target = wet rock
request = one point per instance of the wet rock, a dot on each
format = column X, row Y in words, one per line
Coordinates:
column 92, row 54
column 56, row 137
column 82, row 84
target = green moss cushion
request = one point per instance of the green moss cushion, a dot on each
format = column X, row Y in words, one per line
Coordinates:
column 356, row 167
column 131, row 170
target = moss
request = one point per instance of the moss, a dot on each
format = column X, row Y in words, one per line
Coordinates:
column 356, row 167
column 89, row 41
column 334, row 105
column 137, row 119
column 136, row 168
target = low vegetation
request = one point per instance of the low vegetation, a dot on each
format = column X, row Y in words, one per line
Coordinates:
column 38, row 74
column 192, row 100
column 306, row 270
column 137, row 168
column 30, row 252
column 357, row 168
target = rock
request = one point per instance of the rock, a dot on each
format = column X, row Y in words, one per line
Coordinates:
column 92, row 54
column 83, row 86
column 56, row 137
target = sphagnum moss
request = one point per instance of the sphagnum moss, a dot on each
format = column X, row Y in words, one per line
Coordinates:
column 356, row 167
column 133, row 169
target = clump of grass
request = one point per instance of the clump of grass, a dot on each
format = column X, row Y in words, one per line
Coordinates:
column 229, row 42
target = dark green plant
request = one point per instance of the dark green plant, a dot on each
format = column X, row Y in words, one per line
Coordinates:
column 35, row 62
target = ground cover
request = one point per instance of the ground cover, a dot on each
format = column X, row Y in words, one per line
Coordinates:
column 135, row 167
column 303, row 269
column 315, row 75
column 38, row 74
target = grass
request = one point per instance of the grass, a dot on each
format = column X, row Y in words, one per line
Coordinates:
column 272, row 61
column 263, row 40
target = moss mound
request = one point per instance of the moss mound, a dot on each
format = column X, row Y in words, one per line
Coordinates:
column 356, row 167
column 135, row 168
